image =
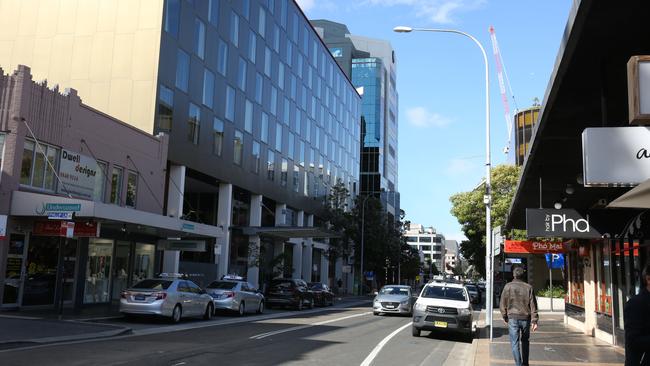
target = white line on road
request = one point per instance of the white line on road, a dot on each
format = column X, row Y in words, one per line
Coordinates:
column 275, row 332
column 381, row 345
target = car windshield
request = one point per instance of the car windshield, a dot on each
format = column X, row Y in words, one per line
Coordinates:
column 316, row 286
column 440, row 292
column 153, row 284
column 471, row 287
column 222, row 285
column 281, row 284
column 394, row 291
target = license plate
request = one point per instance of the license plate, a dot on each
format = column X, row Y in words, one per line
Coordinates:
column 390, row 306
column 440, row 324
column 139, row 297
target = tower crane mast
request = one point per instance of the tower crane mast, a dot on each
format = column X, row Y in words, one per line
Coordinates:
column 502, row 76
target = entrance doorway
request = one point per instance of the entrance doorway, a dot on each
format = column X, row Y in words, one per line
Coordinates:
column 14, row 272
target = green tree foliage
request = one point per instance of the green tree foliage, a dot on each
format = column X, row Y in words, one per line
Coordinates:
column 469, row 209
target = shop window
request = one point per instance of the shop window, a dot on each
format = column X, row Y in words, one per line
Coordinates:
column 165, row 108
column 576, row 280
column 143, row 262
column 603, row 280
column 116, row 185
column 98, row 275
column 131, row 189
column 100, row 182
column 37, row 162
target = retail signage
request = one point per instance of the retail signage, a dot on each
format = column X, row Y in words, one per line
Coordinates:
column 67, row 229
column 3, row 226
column 184, row 245
column 555, row 260
column 78, row 174
column 533, row 247
column 56, row 215
column 615, row 156
column 564, row 223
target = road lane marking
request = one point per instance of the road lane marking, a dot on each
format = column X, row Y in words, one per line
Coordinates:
column 276, row 332
column 381, row 345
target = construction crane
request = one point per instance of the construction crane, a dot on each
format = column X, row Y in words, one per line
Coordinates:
column 502, row 75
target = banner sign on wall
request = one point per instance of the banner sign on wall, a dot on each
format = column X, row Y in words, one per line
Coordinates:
column 565, row 223
column 66, row 229
column 78, row 174
column 533, row 247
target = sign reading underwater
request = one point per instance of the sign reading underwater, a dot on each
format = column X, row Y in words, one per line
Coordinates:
column 78, row 174
column 565, row 223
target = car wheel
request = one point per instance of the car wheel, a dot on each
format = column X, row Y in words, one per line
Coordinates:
column 242, row 309
column 415, row 331
column 260, row 309
column 177, row 314
column 375, row 313
column 209, row 310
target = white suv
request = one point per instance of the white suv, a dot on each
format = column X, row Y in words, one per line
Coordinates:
column 443, row 306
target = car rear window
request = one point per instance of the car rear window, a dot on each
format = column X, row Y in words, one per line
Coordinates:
column 316, row 286
column 394, row 291
column 440, row 292
column 222, row 285
column 153, row 284
column 281, row 284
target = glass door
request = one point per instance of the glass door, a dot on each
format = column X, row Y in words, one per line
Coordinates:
column 40, row 280
column 121, row 268
column 98, row 271
column 69, row 260
column 15, row 270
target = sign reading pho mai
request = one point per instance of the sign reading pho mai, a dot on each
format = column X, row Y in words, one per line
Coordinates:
column 78, row 174
column 565, row 223
column 533, row 247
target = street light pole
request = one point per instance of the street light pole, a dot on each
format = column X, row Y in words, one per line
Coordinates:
column 487, row 198
column 363, row 226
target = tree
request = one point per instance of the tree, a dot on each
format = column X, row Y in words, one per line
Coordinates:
column 469, row 209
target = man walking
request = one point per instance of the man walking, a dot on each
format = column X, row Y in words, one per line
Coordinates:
column 519, row 308
column 636, row 315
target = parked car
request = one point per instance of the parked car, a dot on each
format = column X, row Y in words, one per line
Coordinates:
column 393, row 299
column 474, row 293
column 445, row 307
column 168, row 297
column 236, row 295
column 289, row 292
column 323, row 295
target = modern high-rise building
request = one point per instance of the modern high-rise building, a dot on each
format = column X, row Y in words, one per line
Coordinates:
column 261, row 119
column 371, row 65
column 430, row 243
column 524, row 123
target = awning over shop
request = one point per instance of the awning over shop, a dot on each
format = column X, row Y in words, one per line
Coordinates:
column 43, row 205
column 288, row 232
column 637, row 197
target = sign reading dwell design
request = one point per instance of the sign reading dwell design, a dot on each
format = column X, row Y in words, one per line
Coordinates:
column 78, row 174
column 615, row 156
column 565, row 223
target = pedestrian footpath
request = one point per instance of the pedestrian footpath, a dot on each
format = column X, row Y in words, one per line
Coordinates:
column 553, row 344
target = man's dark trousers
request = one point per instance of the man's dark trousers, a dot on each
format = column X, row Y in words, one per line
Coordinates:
column 519, row 333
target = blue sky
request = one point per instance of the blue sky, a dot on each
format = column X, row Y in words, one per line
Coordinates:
column 440, row 82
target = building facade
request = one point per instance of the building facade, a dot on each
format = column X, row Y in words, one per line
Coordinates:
column 371, row 65
column 430, row 243
column 524, row 122
column 452, row 257
column 260, row 118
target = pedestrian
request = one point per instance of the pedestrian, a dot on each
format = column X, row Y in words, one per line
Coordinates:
column 636, row 315
column 339, row 283
column 519, row 309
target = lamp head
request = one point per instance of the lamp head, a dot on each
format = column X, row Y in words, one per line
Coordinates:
column 402, row 29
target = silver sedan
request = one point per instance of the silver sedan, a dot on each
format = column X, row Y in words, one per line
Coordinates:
column 393, row 299
column 235, row 295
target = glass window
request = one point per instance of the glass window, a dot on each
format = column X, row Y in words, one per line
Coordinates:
column 291, row 145
column 182, row 70
column 297, row 122
column 270, row 165
column 276, row 38
column 144, row 262
column 425, row 239
column 165, row 108
column 35, row 170
column 208, row 88
column 255, row 161
column 172, row 16
column 238, row 147
column 199, row 38
column 131, row 188
column 248, row 117
column 283, row 14
column 259, row 86
column 241, row 74
column 234, row 28
column 252, row 46
column 217, row 127
column 265, row 128
column 213, row 11
column 116, row 185
column 283, row 173
column 267, row 61
column 246, row 8
column 100, row 182
column 230, row 103
column 274, row 101
column 289, row 58
column 281, row 75
column 261, row 26
column 278, row 137
column 302, row 153
column 193, row 123
column 98, row 271
column 296, row 178
column 222, row 62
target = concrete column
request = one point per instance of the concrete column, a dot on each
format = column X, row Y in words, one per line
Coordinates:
column 307, row 252
column 175, row 191
column 590, row 292
column 224, row 218
column 297, row 248
column 280, row 220
column 255, row 220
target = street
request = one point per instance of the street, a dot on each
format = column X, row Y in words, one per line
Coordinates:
column 328, row 336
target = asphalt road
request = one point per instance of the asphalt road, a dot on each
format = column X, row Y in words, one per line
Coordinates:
column 332, row 336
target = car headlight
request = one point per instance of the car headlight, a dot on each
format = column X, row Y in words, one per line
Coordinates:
column 405, row 302
column 420, row 306
column 464, row 312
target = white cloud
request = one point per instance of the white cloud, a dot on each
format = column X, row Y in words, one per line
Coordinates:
column 421, row 117
column 306, row 5
column 435, row 11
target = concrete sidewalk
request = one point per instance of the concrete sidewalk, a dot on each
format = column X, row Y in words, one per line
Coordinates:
column 552, row 344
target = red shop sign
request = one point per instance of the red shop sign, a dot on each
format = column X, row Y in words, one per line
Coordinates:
column 534, row 247
column 66, row 228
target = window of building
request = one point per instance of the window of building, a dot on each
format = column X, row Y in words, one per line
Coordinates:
column 172, row 17
column 199, row 38
column 425, row 239
column 182, row 70
column 283, row 14
column 281, row 75
column 297, row 121
column 230, row 103
column 264, row 133
column 131, row 189
column 252, row 46
column 241, row 74
column 100, row 182
column 412, row 239
column 255, row 154
column 278, row 137
column 217, row 128
column 259, row 87
column 261, row 26
column 292, row 144
column 274, row 101
column 248, row 117
column 425, row 247
column 283, row 173
column 208, row 88
column 285, row 114
column 213, row 11
column 246, row 8
column 276, row 38
column 270, row 165
column 238, row 147
column 289, row 55
column 165, row 108
column 116, row 185
column 234, row 28
column 267, row 61
column 302, row 153
column 35, row 169
column 222, row 62
column 193, row 123
column 296, row 178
